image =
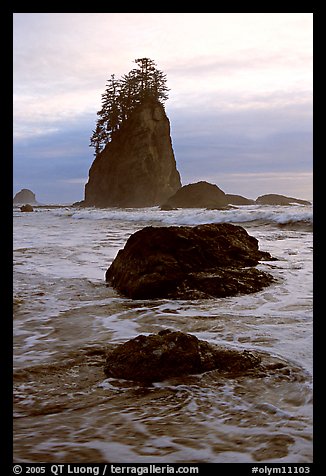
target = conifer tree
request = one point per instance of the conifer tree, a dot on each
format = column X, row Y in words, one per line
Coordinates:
column 122, row 96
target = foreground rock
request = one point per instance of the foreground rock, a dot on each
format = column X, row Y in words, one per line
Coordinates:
column 137, row 168
column 172, row 354
column 205, row 261
column 26, row 208
column 197, row 195
column 168, row 354
column 275, row 199
column 24, row 196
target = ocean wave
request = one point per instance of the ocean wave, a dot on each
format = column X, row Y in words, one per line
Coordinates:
column 292, row 216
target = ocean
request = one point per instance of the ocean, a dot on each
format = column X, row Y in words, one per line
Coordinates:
column 66, row 318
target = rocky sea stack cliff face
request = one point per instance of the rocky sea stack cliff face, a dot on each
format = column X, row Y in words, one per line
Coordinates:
column 137, row 168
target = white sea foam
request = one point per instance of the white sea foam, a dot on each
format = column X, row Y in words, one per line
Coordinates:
column 244, row 214
column 62, row 306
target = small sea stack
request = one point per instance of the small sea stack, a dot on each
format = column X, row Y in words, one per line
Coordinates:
column 25, row 196
column 197, row 195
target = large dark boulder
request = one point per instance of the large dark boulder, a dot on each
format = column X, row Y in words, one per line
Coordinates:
column 205, row 261
column 137, row 168
column 275, row 199
column 172, row 354
column 197, row 195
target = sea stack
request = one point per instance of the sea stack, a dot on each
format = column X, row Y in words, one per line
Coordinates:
column 197, row 195
column 276, row 199
column 137, row 168
column 25, row 196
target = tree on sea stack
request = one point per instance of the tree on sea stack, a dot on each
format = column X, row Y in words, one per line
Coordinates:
column 134, row 163
column 123, row 95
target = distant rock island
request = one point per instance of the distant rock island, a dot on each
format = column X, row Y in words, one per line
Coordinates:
column 275, row 199
column 238, row 200
column 197, row 195
column 207, row 195
column 25, row 196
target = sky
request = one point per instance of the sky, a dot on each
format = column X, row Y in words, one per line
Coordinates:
column 240, row 99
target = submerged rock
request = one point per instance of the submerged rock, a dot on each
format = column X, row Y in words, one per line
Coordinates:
column 205, row 261
column 26, row 208
column 275, row 199
column 157, row 357
column 197, row 195
column 137, row 168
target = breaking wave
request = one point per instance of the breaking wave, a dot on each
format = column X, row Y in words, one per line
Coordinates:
column 292, row 216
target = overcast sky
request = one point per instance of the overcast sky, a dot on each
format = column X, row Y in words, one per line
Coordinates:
column 240, row 100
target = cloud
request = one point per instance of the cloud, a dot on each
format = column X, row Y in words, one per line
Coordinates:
column 240, row 99
column 251, row 185
column 62, row 61
column 75, row 180
column 249, row 63
column 47, row 114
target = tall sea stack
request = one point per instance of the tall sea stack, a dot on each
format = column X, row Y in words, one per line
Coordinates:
column 137, row 167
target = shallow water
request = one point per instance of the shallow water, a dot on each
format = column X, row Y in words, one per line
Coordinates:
column 65, row 318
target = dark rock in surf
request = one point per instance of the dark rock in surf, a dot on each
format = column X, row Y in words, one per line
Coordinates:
column 168, row 354
column 79, row 204
column 26, row 208
column 197, row 195
column 137, row 168
column 205, row 261
column 275, row 199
